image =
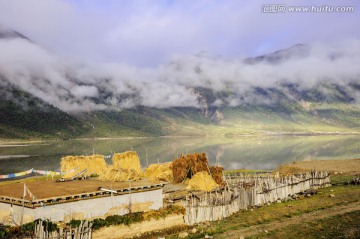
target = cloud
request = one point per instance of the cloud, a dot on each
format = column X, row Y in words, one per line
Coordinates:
column 148, row 33
column 83, row 86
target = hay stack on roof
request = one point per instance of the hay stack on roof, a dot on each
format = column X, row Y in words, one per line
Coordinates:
column 160, row 172
column 188, row 165
column 95, row 164
column 126, row 166
column 217, row 174
column 113, row 173
column 202, row 181
column 127, row 160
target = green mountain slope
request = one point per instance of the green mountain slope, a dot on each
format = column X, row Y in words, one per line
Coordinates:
column 283, row 107
column 24, row 116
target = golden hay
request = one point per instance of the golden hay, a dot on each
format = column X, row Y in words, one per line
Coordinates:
column 202, row 181
column 188, row 165
column 95, row 164
column 113, row 173
column 160, row 172
column 128, row 160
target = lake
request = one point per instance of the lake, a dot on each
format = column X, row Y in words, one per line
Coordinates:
column 263, row 153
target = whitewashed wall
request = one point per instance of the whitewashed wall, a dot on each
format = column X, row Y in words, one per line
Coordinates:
column 90, row 208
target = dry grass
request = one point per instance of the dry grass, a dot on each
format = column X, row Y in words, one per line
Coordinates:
column 115, row 174
column 345, row 167
column 95, row 164
column 160, row 172
column 126, row 166
column 127, row 160
column 202, row 181
column 217, row 174
column 188, row 165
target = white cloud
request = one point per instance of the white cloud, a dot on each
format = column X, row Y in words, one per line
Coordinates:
column 73, row 86
column 148, row 33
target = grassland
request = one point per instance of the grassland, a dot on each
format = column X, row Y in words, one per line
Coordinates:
column 337, row 226
column 319, row 216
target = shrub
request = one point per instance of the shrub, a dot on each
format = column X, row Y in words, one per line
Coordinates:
column 74, row 223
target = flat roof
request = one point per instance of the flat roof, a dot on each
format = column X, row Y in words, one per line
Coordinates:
column 52, row 192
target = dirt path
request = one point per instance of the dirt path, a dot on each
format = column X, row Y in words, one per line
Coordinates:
column 312, row 216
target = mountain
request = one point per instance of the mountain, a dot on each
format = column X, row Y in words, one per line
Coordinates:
column 23, row 116
column 6, row 33
column 40, row 101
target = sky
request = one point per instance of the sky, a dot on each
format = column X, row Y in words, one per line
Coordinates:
column 149, row 33
column 93, row 54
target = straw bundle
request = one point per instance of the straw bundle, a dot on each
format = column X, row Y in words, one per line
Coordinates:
column 127, row 160
column 188, row 165
column 202, row 181
column 113, row 173
column 126, row 166
column 95, row 164
column 160, row 172
column 217, row 174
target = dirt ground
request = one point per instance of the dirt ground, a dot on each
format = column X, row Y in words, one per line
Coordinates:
column 50, row 188
column 348, row 166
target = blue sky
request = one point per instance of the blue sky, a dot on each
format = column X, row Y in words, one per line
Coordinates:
column 149, row 33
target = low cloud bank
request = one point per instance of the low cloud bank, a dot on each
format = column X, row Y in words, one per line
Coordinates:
column 73, row 86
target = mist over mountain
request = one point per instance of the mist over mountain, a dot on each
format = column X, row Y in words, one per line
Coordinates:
column 285, row 82
column 74, row 86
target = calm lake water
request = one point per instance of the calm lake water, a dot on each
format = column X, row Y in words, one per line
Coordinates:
column 264, row 153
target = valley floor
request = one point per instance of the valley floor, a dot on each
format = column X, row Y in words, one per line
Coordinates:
column 280, row 228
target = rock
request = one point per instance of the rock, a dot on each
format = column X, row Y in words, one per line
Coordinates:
column 311, row 191
column 194, row 230
column 331, row 190
column 266, row 231
column 251, row 209
column 241, row 237
column 183, row 234
column 207, row 236
column 355, row 181
column 294, row 196
column 308, row 195
column 331, row 195
column 268, row 203
column 278, row 201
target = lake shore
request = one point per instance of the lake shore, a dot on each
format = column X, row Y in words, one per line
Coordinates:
column 4, row 141
column 343, row 167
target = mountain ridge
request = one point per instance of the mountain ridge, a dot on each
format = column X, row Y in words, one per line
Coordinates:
column 284, row 108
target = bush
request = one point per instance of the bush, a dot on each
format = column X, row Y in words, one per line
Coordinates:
column 4, row 231
column 125, row 219
column 98, row 223
column 74, row 223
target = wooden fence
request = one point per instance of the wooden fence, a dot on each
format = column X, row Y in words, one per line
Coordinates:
column 83, row 231
column 243, row 191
